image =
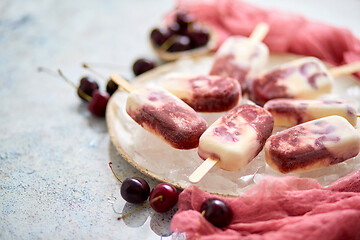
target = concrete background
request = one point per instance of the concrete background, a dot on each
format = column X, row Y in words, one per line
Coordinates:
column 54, row 176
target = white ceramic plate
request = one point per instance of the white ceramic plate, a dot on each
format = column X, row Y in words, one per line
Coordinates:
column 157, row 159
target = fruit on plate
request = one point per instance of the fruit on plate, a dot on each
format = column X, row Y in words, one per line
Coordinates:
column 142, row 65
column 182, row 35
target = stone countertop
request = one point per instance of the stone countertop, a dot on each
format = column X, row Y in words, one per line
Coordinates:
column 54, row 176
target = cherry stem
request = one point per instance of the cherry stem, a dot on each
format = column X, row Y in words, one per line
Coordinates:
column 167, row 44
column 66, row 79
column 93, row 71
column 104, row 65
column 201, row 222
column 110, row 165
column 48, row 71
column 81, row 92
column 161, row 198
column 59, row 72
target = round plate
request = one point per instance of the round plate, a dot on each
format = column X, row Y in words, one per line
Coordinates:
column 155, row 158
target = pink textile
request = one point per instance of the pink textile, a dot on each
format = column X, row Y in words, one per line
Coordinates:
column 279, row 208
column 288, row 32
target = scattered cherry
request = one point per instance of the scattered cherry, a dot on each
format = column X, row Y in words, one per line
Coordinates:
column 163, row 197
column 87, row 85
column 217, row 212
column 142, row 65
column 111, row 87
column 97, row 105
column 135, row 190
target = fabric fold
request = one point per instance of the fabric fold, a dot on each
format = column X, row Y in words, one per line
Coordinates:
column 279, row 208
column 290, row 33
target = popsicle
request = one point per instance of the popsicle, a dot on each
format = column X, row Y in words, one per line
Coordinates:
column 312, row 145
column 305, row 78
column 163, row 114
column 291, row 112
column 204, row 93
column 233, row 140
column 242, row 58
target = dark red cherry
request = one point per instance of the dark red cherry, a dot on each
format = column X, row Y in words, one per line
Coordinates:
column 184, row 19
column 199, row 36
column 159, row 35
column 87, row 86
column 142, row 65
column 163, row 197
column 135, row 190
column 180, row 43
column 217, row 212
column 111, row 87
column 174, row 28
column 97, row 105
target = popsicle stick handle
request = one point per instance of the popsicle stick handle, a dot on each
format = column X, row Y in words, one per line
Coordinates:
column 260, row 32
column 122, row 83
column 202, row 170
column 345, row 69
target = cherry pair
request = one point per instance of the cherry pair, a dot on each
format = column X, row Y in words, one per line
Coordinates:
column 88, row 90
column 136, row 190
column 183, row 34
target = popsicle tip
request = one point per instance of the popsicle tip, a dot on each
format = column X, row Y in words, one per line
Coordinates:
column 260, row 32
column 263, row 25
column 345, row 69
column 114, row 76
column 194, row 179
column 202, row 170
column 122, row 82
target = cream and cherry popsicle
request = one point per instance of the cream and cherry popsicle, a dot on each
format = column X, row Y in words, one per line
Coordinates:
column 312, row 145
column 305, row 78
column 291, row 112
column 163, row 114
column 233, row 140
column 204, row 93
column 242, row 58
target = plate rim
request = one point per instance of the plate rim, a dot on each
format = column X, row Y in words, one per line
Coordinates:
column 112, row 108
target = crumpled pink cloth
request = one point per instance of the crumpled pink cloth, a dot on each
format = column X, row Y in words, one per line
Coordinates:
column 279, row 208
column 288, row 32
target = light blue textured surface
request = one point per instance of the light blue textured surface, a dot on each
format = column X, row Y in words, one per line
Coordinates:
column 54, row 179
column 54, row 176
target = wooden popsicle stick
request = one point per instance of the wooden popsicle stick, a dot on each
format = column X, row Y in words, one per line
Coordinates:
column 345, row 69
column 122, row 83
column 202, row 170
column 260, row 32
